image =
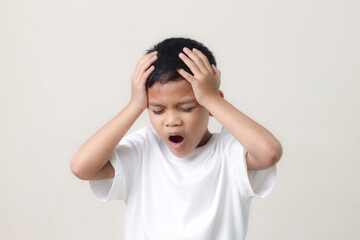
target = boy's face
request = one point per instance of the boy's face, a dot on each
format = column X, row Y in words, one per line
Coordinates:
column 177, row 117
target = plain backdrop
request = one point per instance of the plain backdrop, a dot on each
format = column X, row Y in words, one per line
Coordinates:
column 292, row 66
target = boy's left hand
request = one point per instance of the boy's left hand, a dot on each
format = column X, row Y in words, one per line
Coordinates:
column 206, row 79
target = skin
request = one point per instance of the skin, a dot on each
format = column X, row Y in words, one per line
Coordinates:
column 173, row 109
column 91, row 162
column 263, row 149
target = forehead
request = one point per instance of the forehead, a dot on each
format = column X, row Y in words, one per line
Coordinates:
column 170, row 92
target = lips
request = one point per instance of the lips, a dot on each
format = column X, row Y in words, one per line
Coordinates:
column 176, row 140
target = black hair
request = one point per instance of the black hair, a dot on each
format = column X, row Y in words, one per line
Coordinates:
column 168, row 59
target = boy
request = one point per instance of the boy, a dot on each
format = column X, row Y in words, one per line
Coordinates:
column 181, row 182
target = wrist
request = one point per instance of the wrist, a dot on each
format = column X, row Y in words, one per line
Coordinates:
column 211, row 100
column 135, row 107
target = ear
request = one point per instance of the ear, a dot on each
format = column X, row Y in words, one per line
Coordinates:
column 222, row 95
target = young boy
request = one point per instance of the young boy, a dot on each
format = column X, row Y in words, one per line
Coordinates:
column 181, row 182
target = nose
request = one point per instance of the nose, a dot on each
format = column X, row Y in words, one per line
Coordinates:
column 172, row 119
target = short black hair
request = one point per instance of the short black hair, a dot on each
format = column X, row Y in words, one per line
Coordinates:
column 168, row 59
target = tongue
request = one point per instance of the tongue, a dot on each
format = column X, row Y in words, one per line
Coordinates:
column 176, row 139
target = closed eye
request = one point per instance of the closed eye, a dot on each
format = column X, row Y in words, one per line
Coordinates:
column 187, row 109
column 158, row 112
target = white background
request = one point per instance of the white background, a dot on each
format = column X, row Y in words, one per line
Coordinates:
column 292, row 66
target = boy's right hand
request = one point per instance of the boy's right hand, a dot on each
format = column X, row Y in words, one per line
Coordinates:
column 138, row 80
column 91, row 162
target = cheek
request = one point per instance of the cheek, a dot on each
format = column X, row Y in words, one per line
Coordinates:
column 203, row 115
column 154, row 120
column 199, row 120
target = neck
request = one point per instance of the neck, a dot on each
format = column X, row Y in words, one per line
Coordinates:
column 205, row 139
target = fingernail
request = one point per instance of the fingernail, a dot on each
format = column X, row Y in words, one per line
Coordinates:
column 155, row 52
column 186, row 49
column 194, row 49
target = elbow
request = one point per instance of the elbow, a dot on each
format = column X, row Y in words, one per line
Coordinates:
column 276, row 153
column 77, row 169
column 272, row 155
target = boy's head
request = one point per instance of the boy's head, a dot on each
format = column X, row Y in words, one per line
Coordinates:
column 168, row 59
column 180, row 121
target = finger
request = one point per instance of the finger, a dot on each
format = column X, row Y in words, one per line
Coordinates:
column 215, row 70
column 144, row 62
column 146, row 74
column 188, row 62
column 147, row 63
column 185, row 75
column 203, row 58
column 195, row 58
column 145, row 58
column 217, row 73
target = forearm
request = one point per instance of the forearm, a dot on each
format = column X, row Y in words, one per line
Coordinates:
column 258, row 141
column 96, row 151
column 262, row 146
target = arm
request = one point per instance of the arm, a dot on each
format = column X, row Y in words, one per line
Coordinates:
column 263, row 149
column 92, row 160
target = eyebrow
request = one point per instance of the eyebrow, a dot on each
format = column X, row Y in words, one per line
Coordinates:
column 180, row 103
column 155, row 105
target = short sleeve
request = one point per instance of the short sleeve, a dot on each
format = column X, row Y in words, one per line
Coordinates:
column 251, row 183
column 125, row 160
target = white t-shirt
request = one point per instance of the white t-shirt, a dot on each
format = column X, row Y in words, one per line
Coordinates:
column 206, row 195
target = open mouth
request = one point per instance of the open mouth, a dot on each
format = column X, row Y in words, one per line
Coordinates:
column 176, row 139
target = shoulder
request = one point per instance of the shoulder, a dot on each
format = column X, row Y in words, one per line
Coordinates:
column 227, row 138
column 141, row 137
column 234, row 148
column 228, row 145
column 144, row 132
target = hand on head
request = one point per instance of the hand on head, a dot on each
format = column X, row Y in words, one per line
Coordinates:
column 138, row 80
column 206, row 79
